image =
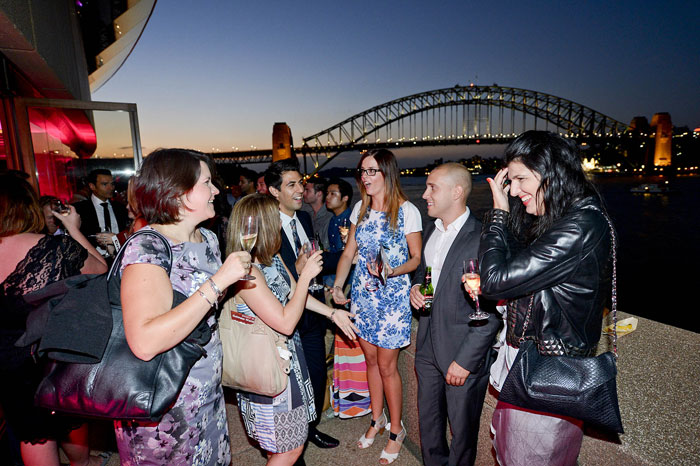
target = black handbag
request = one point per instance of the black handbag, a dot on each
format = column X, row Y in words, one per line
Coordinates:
column 120, row 385
column 584, row 388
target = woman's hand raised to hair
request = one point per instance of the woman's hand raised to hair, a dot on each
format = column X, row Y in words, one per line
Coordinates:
column 499, row 191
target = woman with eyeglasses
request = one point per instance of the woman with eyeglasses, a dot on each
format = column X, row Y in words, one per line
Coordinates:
column 386, row 229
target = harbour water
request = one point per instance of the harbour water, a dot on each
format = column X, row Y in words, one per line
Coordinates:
column 659, row 248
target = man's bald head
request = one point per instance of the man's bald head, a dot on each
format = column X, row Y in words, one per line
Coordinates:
column 456, row 174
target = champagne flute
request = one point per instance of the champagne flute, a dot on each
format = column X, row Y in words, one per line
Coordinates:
column 249, row 235
column 473, row 281
column 309, row 248
column 344, row 229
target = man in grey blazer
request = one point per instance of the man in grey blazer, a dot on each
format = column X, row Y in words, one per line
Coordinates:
column 453, row 353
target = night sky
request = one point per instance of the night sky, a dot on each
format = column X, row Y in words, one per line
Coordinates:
column 219, row 74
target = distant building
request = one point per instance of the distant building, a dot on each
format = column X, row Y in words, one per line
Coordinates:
column 664, row 133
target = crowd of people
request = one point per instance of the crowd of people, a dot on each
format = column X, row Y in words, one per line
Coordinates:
column 545, row 265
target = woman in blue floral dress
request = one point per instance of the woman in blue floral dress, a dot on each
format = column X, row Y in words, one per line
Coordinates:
column 280, row 423
column 174, row 194
column 383, row 220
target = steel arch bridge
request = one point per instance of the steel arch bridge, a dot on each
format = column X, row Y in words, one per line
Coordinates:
column 452, row 116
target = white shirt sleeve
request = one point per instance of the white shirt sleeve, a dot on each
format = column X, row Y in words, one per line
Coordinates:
column 411, row 218
column 355, row 212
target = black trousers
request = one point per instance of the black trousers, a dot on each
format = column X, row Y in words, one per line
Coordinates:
column 438, row 402
column 312, row 331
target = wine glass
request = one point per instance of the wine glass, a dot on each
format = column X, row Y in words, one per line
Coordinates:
column 374, row 262
column 344, row 229
column 473, row 281
column 249, row 235
column 309, row 248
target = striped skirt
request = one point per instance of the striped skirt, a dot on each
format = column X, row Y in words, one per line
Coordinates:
column 350, row 392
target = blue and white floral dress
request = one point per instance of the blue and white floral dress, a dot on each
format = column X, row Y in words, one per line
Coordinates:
column 383, row 316
column 194, row 431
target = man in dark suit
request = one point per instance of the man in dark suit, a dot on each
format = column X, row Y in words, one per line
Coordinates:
column 98, row 215
column 453, row 354
column 284, row 183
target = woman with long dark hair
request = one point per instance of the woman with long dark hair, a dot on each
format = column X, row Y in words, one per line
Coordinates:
column 548, row 254
column 384, row 225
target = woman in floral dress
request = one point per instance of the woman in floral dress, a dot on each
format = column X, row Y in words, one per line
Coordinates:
column 279, row 423
column 174, row 194
column 383, row 220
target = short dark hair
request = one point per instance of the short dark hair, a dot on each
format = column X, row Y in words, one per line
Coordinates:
column 46, row 200
column 320, row 184
column 92, row 176
column 344, row 187
column 249, row 174
column 273, row 174
column 166, row 175
column 19, row 205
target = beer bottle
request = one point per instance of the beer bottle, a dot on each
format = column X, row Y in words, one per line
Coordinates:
column 427, row 291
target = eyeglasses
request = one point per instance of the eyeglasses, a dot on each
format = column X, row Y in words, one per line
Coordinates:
column 368, row 172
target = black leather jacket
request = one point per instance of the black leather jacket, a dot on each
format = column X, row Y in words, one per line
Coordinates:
column 569, row 271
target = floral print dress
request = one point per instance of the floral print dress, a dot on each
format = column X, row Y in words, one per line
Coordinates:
column 194, row 431
column 383, row 316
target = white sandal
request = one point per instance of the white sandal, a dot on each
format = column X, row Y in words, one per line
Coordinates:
column 379, row 424
column 398, row 438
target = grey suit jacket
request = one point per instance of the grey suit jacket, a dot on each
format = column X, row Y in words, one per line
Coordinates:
column 447, row 332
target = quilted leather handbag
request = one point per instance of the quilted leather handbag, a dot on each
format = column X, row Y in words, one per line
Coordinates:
column 120, row 385
column 584, row 388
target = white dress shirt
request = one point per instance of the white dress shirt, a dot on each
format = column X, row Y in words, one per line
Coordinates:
column 97, row 202
column 439, row 244
column 286, row 220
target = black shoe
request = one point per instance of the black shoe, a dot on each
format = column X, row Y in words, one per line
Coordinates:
column 300, row 462
column 322, row 440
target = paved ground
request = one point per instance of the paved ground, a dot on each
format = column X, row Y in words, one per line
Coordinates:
column 659, row 396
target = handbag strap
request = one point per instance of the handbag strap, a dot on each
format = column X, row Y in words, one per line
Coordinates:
column 118, row 259
column 613, row 246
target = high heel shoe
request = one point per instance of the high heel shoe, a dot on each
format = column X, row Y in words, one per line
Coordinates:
column 379, row 424
column 398, row 438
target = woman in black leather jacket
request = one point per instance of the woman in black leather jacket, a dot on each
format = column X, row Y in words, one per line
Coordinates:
column 550, row 249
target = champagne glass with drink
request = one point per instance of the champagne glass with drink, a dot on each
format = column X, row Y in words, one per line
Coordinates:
column 375, row 265
column 309, row 248
column 344, row 230
column 473, row 282
column 249, row 235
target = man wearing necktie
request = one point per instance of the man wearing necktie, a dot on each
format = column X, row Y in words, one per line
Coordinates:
column 284, row 183
column 101, row 218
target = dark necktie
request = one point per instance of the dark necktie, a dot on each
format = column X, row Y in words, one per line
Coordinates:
column 295, row 235
column 108, row 219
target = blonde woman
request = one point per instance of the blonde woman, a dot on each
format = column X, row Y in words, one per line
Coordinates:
column 280, row 423
column 383, row 220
